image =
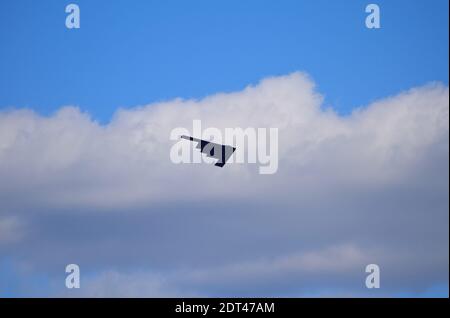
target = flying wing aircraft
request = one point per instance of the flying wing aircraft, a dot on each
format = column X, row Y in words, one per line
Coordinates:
column 220, row 152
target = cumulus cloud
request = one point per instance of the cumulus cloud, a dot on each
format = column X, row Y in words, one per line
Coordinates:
column 374, row 183
column 73, row 160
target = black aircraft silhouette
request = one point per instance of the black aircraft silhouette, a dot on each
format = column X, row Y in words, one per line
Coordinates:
column 220, row 152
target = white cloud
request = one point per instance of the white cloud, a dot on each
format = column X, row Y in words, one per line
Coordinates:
column 374, row 179
column 332, row 271
column 69, row 159
column 337, row 260
column 114, row 284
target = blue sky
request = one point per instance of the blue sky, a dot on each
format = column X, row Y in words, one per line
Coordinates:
column 134, row 53
column 351, row 188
